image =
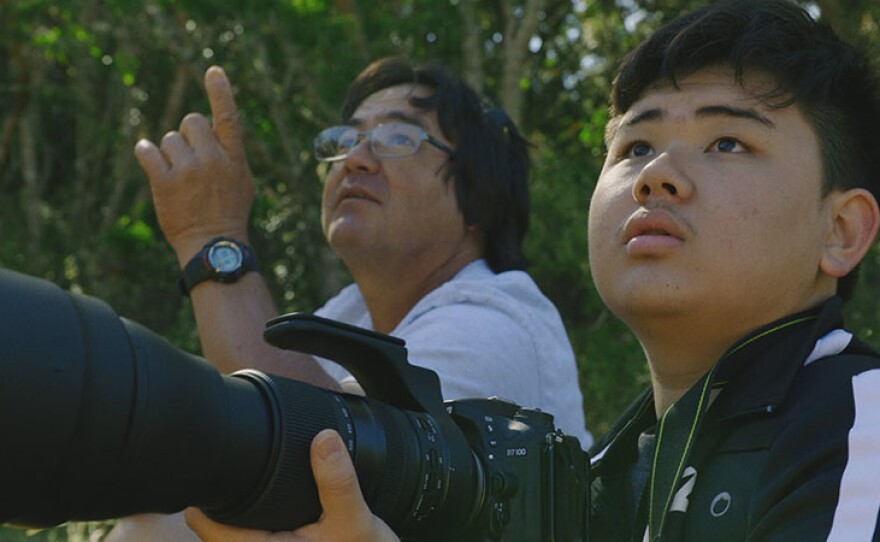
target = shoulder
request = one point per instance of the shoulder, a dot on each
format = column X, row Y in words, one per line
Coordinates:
column 847, row 383
column 481, row 333
column 491, row 334
column 499, row 301
column 504, row 317
column 828, row 446
column 829, row 397
column 347, row 306
column 832, row 403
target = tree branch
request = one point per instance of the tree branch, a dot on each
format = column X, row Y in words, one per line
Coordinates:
column 472, row 52
column 517, row 33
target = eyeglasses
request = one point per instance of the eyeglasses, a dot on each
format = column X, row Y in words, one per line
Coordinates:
column 387, row 140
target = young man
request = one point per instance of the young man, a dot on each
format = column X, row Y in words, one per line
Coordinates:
column 425, row 202
column 738, row 197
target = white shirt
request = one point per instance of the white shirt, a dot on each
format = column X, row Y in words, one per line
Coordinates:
column 485, row 335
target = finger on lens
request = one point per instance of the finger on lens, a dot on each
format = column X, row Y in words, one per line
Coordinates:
column 338, row 488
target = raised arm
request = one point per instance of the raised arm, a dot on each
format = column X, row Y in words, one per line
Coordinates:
column 202, row 189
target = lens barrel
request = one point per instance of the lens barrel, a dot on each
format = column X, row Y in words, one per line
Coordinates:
column 101, row 418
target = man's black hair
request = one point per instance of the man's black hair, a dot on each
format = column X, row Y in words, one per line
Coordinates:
column 490, row 166
column 830, row 81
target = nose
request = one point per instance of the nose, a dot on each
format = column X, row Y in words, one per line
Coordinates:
column 361, row 157
column 662, row 177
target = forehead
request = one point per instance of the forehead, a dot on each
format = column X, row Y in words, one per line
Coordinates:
column 393, row 103
column 711, row 84
column 711, row 93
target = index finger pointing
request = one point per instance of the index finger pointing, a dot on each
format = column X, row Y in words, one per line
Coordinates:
column 223, row 109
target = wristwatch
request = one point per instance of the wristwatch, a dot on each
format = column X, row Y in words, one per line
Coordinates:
column 221, row 260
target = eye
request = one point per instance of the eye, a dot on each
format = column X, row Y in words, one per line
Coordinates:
column 399, row 139
column 637, row 149
column 347, row 139
column 398, row 136
column 727, row 145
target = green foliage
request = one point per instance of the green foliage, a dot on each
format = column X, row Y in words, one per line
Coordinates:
column 612, row 370
column 72, row 532
column 80, row 82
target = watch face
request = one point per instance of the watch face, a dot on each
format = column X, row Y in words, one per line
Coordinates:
column 225, row 257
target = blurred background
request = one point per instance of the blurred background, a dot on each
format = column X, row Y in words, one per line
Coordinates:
column 82, row 80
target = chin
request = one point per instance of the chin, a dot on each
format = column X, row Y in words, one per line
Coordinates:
column 344, row 243
column 630, row 304
column 345, row 231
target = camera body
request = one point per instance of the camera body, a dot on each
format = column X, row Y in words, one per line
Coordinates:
column 101, row 418
column 529, row 481
column 537, row 477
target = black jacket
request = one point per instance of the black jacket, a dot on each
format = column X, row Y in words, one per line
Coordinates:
column 772, row 444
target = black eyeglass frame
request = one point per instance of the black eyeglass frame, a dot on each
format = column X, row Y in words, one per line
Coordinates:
column 423, row 136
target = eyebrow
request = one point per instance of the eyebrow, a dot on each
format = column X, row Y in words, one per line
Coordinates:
column 703, row 112
column 390, row 115
column 735, row 112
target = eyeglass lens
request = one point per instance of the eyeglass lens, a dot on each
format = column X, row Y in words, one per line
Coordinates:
column 386, row 140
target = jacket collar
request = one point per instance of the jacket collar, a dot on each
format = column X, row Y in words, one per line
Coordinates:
column 754, row 375
column 757, row 372
column 620, row 441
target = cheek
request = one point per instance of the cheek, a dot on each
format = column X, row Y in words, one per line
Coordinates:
column 440, row 208
column 765, row 231
column 420, row 189
column 446, row 193
column 327, row 191
column 600, row 233
column 609, row 204
column 335, row 176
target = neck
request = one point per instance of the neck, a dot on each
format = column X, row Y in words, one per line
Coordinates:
column 391, row 291
column 682, row 346
column 674, row 371
column 680, row 350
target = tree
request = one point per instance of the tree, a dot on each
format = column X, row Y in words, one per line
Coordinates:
column 81, row 81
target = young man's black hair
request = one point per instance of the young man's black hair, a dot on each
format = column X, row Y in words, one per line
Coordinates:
column 831, row 82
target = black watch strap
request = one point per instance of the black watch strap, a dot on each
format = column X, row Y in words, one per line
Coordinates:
column 222, row 259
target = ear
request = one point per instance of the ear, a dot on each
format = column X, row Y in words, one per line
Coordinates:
column 855, row 218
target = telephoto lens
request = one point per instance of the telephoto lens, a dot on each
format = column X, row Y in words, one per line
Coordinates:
column 102, row 418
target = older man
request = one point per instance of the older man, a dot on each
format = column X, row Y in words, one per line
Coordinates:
column 425, row 202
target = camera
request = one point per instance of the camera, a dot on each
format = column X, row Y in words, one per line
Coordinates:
column 101, row 418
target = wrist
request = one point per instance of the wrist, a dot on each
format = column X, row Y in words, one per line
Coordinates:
column 187, row 247
column 222, row 259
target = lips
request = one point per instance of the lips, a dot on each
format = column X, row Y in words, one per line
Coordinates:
column 355, row 192
column 652, row 223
